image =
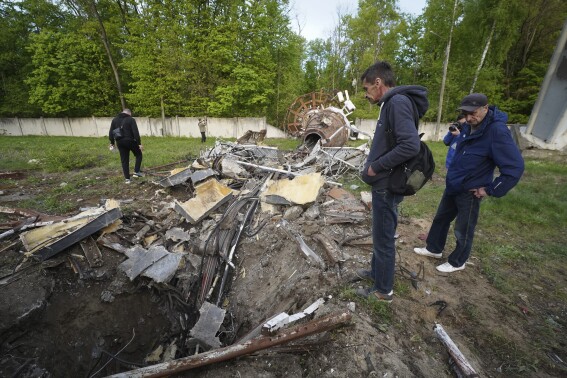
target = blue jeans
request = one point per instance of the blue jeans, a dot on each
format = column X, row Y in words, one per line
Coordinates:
column 384, row 223
column 465, row 208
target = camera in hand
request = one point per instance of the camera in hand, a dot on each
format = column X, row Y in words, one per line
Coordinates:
column 455, row 126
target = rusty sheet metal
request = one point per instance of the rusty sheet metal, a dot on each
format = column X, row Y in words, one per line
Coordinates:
column 326, row 125
column 218, row 355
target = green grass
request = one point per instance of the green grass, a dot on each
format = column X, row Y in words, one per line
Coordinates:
column 380, row 311
column 527, row 226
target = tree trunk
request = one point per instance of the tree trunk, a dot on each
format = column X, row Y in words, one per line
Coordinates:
column 483, row 56
column 106, row 44
column 444, row 79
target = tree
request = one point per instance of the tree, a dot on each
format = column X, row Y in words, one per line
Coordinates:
column 19, row 20
column 89, row 11
column 69, row 75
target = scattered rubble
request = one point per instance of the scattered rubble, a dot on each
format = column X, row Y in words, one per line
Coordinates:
column 186, row 250
column 252, row 259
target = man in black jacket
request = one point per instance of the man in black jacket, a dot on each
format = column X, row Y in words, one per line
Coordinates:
column 400, row 109
column 129, row 141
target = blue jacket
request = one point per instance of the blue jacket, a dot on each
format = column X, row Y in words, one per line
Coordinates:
column 478, row 154
column 396, row 110
column 450, row 141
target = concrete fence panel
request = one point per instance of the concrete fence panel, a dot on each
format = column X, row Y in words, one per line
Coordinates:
column 102, row 125
column 10, row 126
column 274, row 132
column 83, row 127
column 174, row 126
column 188, row 127
column 52, row 127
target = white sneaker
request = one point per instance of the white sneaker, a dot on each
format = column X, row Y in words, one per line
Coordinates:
column 448, row 268
column 425, row 252
column 127, row 181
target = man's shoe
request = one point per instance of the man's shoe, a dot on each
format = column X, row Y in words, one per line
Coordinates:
column 448, row 268
column 366, row 293
column 425, row 252
column 138, row 174
column 382, row 297
column 364, row 274
column 127, row 181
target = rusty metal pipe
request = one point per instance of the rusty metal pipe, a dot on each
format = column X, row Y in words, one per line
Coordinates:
column 223, row 354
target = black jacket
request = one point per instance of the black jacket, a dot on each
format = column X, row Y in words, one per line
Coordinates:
column 129, row 128
column 397, row 112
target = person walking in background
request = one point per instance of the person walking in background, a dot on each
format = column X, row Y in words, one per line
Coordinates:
column 483, row 144
column 400, row 110
column 203, row 129
column 127, row 138
column 450, row 138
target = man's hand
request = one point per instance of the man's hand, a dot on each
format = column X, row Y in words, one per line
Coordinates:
column 141, row 147
column 479, row 193
column 371, row 171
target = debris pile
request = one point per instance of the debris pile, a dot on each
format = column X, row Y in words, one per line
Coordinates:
column 186, row 251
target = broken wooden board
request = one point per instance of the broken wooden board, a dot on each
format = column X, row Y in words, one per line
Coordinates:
column 208, row 196
column 50, row 240
column 91, row 251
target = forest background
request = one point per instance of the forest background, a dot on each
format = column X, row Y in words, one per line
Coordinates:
column 242, row 58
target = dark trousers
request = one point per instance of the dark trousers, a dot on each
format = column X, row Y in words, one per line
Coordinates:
column 384, row 223
column 203, row 137
column 125, row 146
column 463, row 207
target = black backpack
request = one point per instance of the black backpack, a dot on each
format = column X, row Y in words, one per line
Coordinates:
column 410, row 176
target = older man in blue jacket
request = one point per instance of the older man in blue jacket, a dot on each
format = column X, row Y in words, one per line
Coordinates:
column 484, row 144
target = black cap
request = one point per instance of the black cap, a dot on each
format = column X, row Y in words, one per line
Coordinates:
column 473, row 101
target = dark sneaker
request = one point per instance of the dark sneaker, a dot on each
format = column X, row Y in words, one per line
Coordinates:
column 364, row 274
column 138, row 174
column 382, row 297
column 368, row 293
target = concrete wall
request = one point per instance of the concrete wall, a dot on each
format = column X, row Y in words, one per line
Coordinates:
column 177, row 127
column 548, row 121
column 99, row 126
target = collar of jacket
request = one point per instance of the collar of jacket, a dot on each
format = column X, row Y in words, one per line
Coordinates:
column 480, row 131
